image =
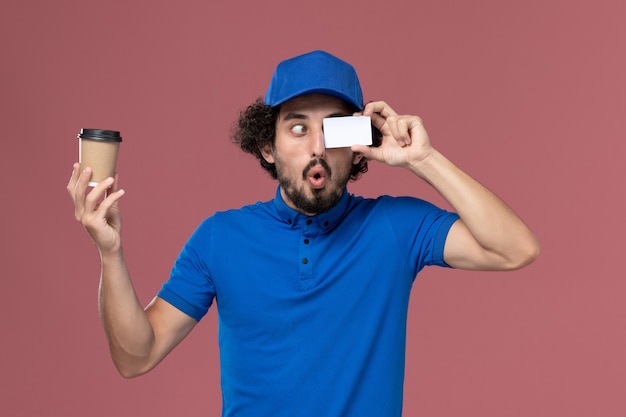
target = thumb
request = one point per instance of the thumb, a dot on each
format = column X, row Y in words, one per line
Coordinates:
column 366, row 151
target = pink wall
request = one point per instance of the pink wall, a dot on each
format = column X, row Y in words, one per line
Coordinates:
column 529, row 97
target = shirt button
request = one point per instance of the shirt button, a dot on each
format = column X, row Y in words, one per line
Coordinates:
column 306, row 241
column 305, row 261
column 309, row 221
column 326, row 224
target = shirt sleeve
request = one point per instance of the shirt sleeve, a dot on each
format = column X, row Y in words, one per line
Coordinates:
column 421, row 229
column 189, row 287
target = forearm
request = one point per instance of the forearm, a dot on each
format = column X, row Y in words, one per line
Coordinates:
column 507, row 241
column 129, row 332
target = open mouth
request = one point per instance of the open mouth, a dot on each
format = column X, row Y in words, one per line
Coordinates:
column 317, row 176
column 316, row 173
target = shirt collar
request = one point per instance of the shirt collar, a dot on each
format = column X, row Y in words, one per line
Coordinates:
column 325, row 220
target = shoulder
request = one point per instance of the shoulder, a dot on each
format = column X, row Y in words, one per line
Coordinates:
column 404, row 214
column 258, row 209
column 226, row 221
column 393, row 204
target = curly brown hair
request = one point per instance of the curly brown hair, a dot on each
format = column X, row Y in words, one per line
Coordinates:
column 256, row 128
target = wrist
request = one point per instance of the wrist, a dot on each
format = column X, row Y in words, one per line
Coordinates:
column 112, row 255
column 427, row 165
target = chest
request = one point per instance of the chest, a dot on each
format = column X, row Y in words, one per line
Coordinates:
column 289, row 275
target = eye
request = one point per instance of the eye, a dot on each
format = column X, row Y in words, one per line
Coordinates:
column 298, row 129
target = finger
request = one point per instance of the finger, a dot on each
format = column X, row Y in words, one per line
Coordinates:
column 366, row 152
column 403, row 127
column 397, row 129
column 108, row 202
column 71, row 185
column 80, row 190
column 379, row 107
column 361, row 149
column 403, row 134
column 414, row 127
column 113, row 187
column 95, row 197
column 378, row 121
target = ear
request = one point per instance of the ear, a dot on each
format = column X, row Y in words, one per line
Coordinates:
column 356, row 158
column 267, row 153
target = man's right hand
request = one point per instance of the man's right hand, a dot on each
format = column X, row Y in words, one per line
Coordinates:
column 97, row 210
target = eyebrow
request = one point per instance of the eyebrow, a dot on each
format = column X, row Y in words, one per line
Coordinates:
column 300, row 116
column 337, row 115
column 291, row 116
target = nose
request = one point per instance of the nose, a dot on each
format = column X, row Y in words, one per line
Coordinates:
column 318, row 148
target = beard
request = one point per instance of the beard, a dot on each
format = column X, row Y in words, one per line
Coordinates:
column 320, row 200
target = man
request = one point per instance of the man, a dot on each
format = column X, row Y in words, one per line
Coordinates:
column 313, row 286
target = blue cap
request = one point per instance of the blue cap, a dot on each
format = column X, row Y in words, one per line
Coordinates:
column 314, row 72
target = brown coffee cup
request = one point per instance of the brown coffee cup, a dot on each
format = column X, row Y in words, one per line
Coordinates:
column 98, row 150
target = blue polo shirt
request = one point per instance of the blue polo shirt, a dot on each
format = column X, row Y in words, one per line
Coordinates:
column 312, row 310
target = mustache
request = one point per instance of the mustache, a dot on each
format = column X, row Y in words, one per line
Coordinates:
column 313, row 163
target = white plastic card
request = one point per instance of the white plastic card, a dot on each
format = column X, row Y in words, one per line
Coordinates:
column 340, row 132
